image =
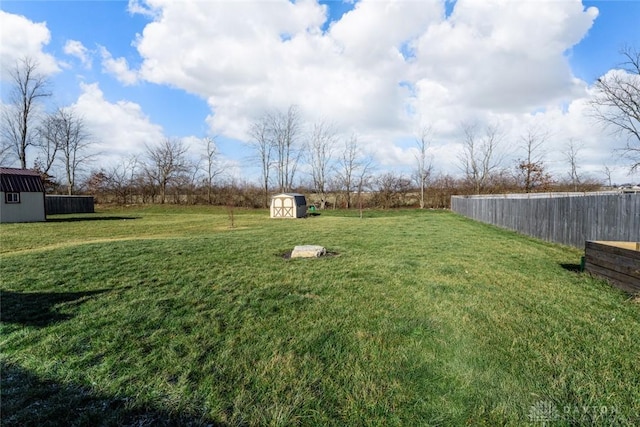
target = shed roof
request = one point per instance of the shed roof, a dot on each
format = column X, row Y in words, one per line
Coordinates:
column 287, row 194
column 20, row 180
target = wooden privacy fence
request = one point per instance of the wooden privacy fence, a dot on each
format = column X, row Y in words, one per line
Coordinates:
column 566, row 218
column 68, row 204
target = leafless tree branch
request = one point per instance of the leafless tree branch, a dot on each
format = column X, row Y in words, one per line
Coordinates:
column 29, row 88
column 617, row 103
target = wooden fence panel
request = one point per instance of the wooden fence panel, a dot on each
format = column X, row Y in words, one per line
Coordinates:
column 566, row 218
column 55, row 205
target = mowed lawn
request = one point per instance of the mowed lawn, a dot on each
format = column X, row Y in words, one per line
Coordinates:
column 167, row 316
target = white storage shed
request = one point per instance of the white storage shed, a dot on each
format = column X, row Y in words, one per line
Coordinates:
column 21, row 196
column 288, row 205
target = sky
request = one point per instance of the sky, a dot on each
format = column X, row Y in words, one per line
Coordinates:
column 383, row 70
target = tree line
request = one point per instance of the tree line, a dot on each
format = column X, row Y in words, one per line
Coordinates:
column 333, row 170
column 59, row 138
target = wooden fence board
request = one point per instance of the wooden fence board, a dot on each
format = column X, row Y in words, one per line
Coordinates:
column 55, row 204
column 567, row 219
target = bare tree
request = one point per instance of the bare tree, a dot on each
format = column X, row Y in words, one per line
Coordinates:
column 321, row 147
column 347, row 167
column 423, row 162
column 392, row 189
column 6, row 151
column 480, row 157
column 262, row 144
column 531, row 167
column 353, row 170
column 334, row 187
column 275, row 139
column 536, row 177
column 166, row 162
column 607, row 174
column 363, row 178
column 617, row 103
column 121, row 179
column 74, row 143
column 571, row 155
column 49, row 141
column 18, row 118
column 185, row 183
column 97, row 183
column 212, row 165
column 286, row 129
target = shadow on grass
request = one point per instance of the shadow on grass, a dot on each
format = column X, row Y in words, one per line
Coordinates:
column 575, row 268
column 93, row 218
column 28, row 400
column 37, row 308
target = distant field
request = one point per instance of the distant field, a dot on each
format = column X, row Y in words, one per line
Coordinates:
column 166, row 315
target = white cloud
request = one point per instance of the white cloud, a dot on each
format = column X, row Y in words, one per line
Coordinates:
column 380, row 67
column 376, row 30
column 504, row 55
column 118, row 68
column 381, row 71
column 119, row 129
column 245, row 58
column 139, row 7
column 77, row 49
column 598, row 146
column 23, row 38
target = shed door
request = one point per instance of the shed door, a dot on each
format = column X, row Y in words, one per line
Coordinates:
column 277, row 207
column 288, row 207
column 283, row 207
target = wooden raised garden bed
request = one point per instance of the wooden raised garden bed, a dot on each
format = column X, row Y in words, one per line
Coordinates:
column 618, row 262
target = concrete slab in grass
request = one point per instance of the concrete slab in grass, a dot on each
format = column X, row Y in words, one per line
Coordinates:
column 308, row 251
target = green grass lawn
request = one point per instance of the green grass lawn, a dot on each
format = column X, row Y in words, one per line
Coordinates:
column 166, row 316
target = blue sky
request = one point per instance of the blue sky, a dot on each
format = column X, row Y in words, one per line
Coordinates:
column 184, row 83
column 107, row 23
column 618, row 24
